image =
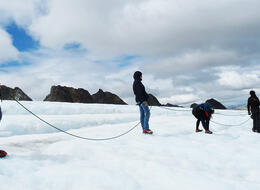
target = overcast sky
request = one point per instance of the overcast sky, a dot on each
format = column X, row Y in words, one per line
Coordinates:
column 188, row 50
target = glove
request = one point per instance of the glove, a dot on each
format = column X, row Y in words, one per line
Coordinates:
column 145, row 103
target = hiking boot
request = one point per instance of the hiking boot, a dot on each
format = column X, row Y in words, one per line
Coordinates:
column 147, row 131
column 208, row 132
column 2, row 153
column 198, row 130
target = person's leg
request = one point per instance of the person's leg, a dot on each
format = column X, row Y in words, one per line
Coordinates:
column 146, row 116
column 254, row 117
column 207, row 127
column 197, row 124
column 204, row 124
column 207, row 124
column 0, row 114
column 196, row 115
column 202, row 118
column 258, row 123
column 142, row 115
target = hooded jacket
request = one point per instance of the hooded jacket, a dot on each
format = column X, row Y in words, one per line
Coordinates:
column 203, row 112
column 253, row 104
column 139, row 90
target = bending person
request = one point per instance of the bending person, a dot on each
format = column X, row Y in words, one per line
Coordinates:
column 203, row 113
column 1, row 101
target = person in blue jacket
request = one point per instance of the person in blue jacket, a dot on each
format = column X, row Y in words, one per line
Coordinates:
column 203, row 113
column 141, row 98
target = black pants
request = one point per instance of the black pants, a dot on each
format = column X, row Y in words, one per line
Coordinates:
column 201, row 117
column 256, row 121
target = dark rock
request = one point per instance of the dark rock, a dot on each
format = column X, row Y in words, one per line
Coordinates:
column 152, row 101
column 69, row 94
column 216, row 104
column 172, row 105
column 11, row 94
column 102, row 97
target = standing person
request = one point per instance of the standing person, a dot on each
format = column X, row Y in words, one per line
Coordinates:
column 2, row 152
column 253, row 110
column 1, row 101
column 203, row 113
column 141, row 98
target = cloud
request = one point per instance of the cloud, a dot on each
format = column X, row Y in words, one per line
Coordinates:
column 190, row 61
column 235, row 80
column 149, row 27
column 7, row 50
column 21, row 12
column 180, row 99
column 185, row 49
column 66, row 67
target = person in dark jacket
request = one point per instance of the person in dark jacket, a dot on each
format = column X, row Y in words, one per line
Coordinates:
column 2, row 152
column 1, row 101
column 141, row 98
column 253, row 110
column 203, row 113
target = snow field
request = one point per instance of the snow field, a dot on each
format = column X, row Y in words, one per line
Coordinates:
column 175, row 157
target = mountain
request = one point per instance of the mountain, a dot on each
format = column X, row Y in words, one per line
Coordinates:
column 152, row 101
column 102, row 97
column 216, row 104
column 171, row 105
column 11, row 94
column 243, row 107
column 69, row 94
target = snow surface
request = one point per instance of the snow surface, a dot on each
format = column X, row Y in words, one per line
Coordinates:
column 175, row 157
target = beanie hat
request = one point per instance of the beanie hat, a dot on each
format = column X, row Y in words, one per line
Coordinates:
column 252, row 93
column 137, row 75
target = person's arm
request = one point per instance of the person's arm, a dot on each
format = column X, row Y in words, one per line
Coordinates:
column 248, row 107
column 144, row 92
column 1, row 92
column 258, row 102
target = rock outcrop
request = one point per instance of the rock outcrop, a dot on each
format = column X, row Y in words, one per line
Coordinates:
column 8, row 93
column 102, row 97
column 69, row 94
column 216, row 104
column 172, row 105
column 153, row 101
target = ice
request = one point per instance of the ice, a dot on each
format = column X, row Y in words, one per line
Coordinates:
column 175, row 157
